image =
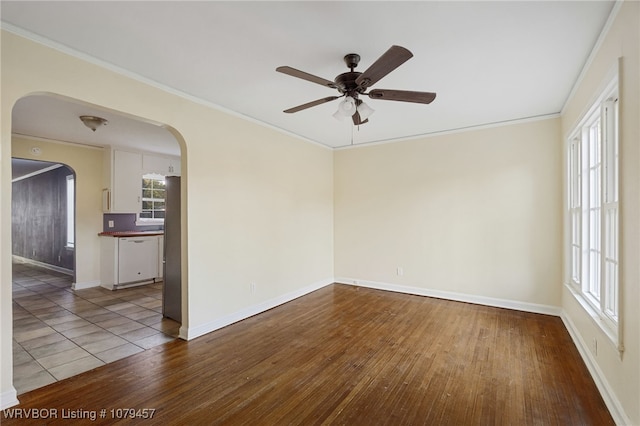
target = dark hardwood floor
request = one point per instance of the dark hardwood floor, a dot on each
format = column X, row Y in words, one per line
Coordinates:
column 353, row 356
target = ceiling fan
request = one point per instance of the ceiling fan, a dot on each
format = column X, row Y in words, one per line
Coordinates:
column 354, row 84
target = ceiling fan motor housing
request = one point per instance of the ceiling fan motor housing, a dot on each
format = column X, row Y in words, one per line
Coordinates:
column 346, row 83
column 352, row 60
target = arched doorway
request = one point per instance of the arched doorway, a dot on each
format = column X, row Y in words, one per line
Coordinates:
column 85, row 325
column 43, row 214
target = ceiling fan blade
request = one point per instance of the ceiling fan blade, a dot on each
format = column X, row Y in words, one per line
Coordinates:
column 311, row 104
column 306, row 76
column 389, row 61
column 402, row 95
column 357, row 120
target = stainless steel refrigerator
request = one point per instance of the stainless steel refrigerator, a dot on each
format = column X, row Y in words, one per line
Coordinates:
column 172, row 288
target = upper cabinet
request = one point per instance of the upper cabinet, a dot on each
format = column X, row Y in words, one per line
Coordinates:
column 123, row 177
column 166, row 166
column 123, row 180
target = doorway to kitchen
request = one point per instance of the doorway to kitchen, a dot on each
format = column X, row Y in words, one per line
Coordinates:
column 59, row 331
column 65, row 322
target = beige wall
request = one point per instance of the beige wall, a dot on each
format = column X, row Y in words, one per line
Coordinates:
column 622, row 373
column 265, row 216
column 258, row 204
column 473, row 213
column 86, row 162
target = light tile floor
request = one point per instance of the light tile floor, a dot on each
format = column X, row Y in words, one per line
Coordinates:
column 59, row 332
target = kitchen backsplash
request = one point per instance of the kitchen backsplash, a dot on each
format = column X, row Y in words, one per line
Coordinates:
column 125, row 222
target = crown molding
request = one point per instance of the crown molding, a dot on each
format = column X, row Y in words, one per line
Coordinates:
column 137, row 77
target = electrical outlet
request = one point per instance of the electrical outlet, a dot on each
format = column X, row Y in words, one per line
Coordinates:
column 111, row 224
column 399, row 271
column 252, row 287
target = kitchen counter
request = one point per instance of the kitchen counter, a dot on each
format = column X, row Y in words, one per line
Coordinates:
column 119, row 234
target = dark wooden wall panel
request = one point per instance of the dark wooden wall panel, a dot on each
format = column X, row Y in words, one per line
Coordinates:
column 39, row 218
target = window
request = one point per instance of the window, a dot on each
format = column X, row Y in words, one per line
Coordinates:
column 592, row 195
column 71, row 196
column 153, row 195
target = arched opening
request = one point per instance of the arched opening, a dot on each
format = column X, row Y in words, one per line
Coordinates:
column 43, row 214
column 70, row 323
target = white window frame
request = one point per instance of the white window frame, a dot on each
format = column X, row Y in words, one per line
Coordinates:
column 592, row 241
column 142, row 221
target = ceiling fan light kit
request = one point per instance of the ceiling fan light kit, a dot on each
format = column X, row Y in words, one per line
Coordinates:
column 353, row 84
column 347, row 107
column 338, row 115
column 365, row 111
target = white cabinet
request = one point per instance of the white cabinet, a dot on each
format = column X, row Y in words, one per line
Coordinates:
column 123, row 177
column 165, row 166
column 175, row 168
column 128, row 261
column 123, row 180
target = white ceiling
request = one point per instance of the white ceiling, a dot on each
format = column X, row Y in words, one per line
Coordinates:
column 58, row 118
column 489, row 62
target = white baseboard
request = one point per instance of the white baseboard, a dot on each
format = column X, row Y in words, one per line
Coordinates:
column 199, row 330
column 609, row 397
column 8, row 398
column 86, row 284
column 458, row 297
column 21, row 259
column 183, row 332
